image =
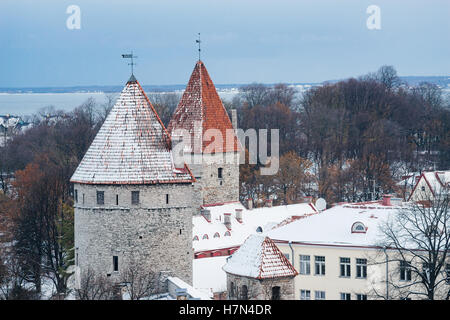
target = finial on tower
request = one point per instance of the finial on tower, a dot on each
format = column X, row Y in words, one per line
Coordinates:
column 131, row 57
column 199, row 42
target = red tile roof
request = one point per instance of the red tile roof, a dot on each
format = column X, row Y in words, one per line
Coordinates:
column 132, row 146
column 259, row 258
column 201, row 106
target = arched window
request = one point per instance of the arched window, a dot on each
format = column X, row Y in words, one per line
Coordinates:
column 205, row 236
column 276, row 293
column 259, row 230
column 195, row 238
column 227, row 234
column 216, row 235
column 359, row 227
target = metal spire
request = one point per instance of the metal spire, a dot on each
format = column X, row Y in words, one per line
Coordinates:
column 199, row 42
column 130, row 56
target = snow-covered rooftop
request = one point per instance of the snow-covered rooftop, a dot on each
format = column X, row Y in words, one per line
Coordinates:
column 334, row 226
column 259, row 258
column 131, row 147
column 208, row 274
column 221, row 236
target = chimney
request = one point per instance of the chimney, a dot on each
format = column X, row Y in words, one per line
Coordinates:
column 387, row 199
column 234, row 119
column 207, row 214
column 307, row 199
column 227, row 220
column 249, row 203
column 239, row 215
column 269, row 203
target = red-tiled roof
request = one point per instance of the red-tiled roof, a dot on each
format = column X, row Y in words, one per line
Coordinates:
column 201, row 106
column 131, row 147
column 259, row 258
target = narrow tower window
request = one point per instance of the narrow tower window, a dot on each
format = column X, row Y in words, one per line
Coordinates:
column 76, row 196
column 167, row 198
column 117, row 199
column 115, row 263
column 134, row 197
column 100, row 197
column 220, row 173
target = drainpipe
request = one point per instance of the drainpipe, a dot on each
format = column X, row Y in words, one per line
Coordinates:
column 292, row 252
column 387, row 273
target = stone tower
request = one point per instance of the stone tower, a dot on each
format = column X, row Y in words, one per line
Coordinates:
column 214, row 162
column 132, row 205
column 258, row 270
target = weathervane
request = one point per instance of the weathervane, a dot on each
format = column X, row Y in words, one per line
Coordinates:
column 199, row 42
column 130, row 56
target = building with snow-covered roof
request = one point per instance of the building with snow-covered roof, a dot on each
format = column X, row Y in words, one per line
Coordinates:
column 209, row 144
column 259, row 270
column 220, row 229
column 430, row 185
column 341, row 254
column 132, row 204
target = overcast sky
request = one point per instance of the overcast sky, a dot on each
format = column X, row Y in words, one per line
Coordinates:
column 243, row 41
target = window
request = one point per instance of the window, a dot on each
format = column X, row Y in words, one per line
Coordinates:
column 216, row 235
column 358, row 227
column 117, row 199
column 361, row 268
column 244, row 293
column 423, row 188
column 195, row 238
column 115, row 263
column 134, row 197
column 319, row 265
column 346, row 296
column 167, row 198
column 232, row 289
column 100, row 197
column 361, row 296
column 83, row 198
column 259, row 230
column 345, row 267
column 320, row 295
column 305, row 267
column 305, row 295
column 405, row 271
column 205, row 236
column 220, row 173
column 227, row 234
column 76, row 195
column 276, row 293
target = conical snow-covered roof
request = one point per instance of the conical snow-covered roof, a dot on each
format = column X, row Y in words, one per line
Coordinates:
column 132, row 146
column 201, row 104
column 259, row 258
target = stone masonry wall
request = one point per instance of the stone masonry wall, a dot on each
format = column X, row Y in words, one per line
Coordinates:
column 214, row 189
column 260, row 289
column 156, row 234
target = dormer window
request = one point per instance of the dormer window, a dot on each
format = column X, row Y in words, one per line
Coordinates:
column 359, row 227
column 259, row 230
column 195, row 238
column 216, row 235
column 205, row 236
column 227, row 234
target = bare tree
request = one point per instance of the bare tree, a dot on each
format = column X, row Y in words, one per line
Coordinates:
column 140, row 282
column 417, row 240
column 95, row 287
